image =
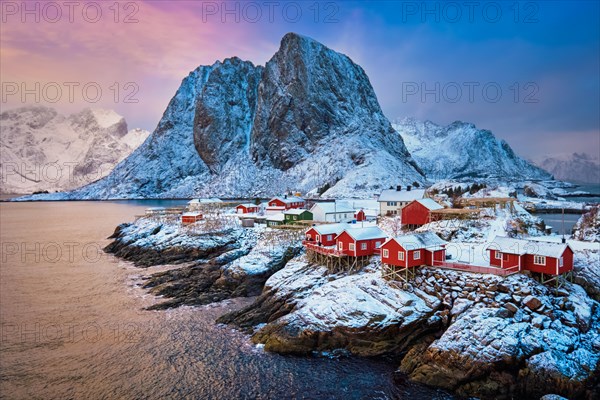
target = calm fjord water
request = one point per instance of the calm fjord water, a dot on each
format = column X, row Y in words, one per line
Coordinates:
column 73, row 326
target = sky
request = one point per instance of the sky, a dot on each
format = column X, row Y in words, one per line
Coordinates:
column 527, row 71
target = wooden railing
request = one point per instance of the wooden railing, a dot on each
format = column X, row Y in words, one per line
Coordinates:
column 330, row 251
column 476, row 268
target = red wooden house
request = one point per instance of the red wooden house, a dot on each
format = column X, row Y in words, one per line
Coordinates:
column 530, row 255
column 417, row 212
column 247, row 208
column 400, row 254
column 191, row 217
column 280, row 204
column 360, row 242
column 324, row 234
column 360, row 216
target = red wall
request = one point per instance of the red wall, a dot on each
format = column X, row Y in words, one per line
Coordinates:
column 493, row 260
column 414, row 213
column 276, row 203
column 246, row 210
column 527, row 262
column 346, row 239
column 189, row 220
column 393, row 247
column 567, row 261
column 360, row 216
column 312, row 233
column 426, row 256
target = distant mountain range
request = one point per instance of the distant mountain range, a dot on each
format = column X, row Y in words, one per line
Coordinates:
column 43, row 150
column 576, row 167
column 308, row 120
column 462, row 151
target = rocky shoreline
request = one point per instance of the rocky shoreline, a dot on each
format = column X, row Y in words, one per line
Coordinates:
column 471, row 334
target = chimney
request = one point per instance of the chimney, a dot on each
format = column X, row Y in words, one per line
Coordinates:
column 398, row 188
column 564, row 240
column 285, row 196
column 408, row 188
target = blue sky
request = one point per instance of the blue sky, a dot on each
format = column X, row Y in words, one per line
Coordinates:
column 528, row 71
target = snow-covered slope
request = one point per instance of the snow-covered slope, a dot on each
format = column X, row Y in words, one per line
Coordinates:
column 577, row 167
column 308, row 118
column 461, row 150
column 44, row 150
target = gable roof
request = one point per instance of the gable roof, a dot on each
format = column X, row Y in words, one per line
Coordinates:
column 524, row 246
column 401, row 195
column 430, row 204
column 292, row 199
column 422, row 240
column 328, row 229
column 333, row 207
column 371, row 232
column 296, row 211
column 276, row 217
column 191, row 214
column 247, row 205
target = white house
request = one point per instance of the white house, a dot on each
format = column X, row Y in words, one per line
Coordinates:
column 332, row 212
column 392, row 201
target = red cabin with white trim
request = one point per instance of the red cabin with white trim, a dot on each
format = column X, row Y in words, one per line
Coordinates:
column 280, row 204
column 536, row 256
column 325, row 235
column 247, row 208
column 359, row 242
column 408, row 251
column 360, row 216
column 191, row 217
column 417, row 212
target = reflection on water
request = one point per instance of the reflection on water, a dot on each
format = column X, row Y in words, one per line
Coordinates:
column 73, row 325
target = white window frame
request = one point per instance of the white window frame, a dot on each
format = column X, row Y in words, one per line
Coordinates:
column 351, row 246
column 498, row 255
column 318, row 238
column 363, row 246
column 329, row 237
column 561, row 262
column 377, row 245
column 417, row 255
column 340, row 246
column 386, row 253
column 401, row 255
column 539, row 260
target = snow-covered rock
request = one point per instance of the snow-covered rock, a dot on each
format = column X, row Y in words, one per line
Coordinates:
column 43, row 150
column 462, row 151
column 576, row 167
column 588, row 226
column 308, row 118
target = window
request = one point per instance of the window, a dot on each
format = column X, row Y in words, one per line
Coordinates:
column 377, row 244
column 295, row 217
column 329, row 237
column 560, row 262
column 498, row 255
column 386, row 253
column 351, row 247
column 401, row 255
column 539, row 260
column 318, row 238
column 417, row 255
column 340, row 246
column 363, row 246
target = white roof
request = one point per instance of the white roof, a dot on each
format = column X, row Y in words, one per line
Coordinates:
column 430, row 204
column 524, row 246
column 295, row 211
column 291, row 199
column 327, row 229
column 276, row 217
column 402, row 195
column 247, row 205
column 423, row 240
column 334, row 207
column 371, row 232
column 191, row 214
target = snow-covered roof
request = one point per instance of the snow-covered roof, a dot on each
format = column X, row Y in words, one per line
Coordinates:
column 209, row 200
column 333, row 207
column 371, row 232
column 276, row 217
column 423, row 240
column 524, row 246
column 430, row 204
column 295, row 211
column 292, row 199
column 191, row 214
column 401, row 195
column 327, row 229
column 247, row 205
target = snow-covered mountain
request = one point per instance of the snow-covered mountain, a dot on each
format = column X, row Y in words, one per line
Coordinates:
column 576, row 167
column 461, row 150
column 43, row 150
column 307, row 119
